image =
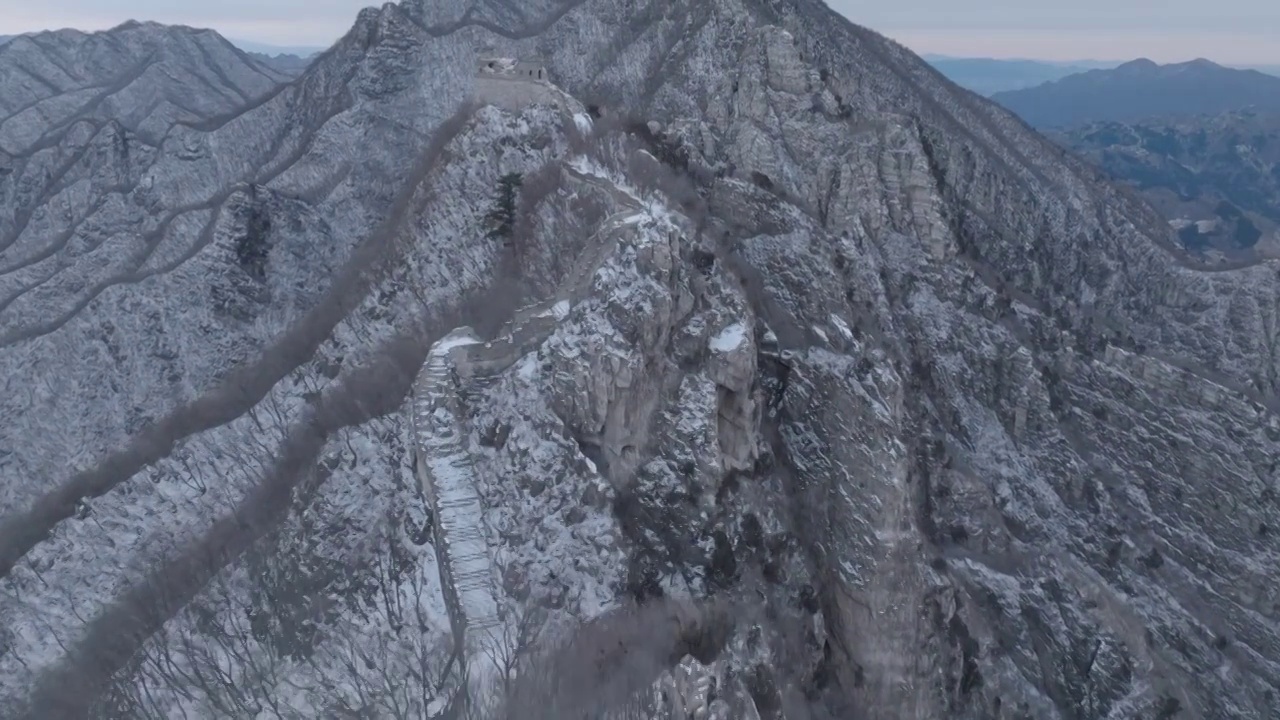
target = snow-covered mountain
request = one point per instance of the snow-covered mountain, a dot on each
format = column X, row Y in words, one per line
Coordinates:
column 798, row 381
column 141, row 77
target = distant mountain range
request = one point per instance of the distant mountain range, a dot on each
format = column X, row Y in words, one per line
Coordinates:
column 291, row 60
column 289, row 64
column 302, row 51
column 987, row 76
column 1198, row 140
column 1142, row 89
column 176, row 76
column 1216, row 179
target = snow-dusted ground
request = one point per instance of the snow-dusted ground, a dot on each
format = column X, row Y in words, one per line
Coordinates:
column 367, row 627
column 941, row 279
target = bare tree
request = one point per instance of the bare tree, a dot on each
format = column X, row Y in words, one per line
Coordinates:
column 609, row 663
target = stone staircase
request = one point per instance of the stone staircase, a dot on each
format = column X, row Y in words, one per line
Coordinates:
column 458, row 368
column 446, row 473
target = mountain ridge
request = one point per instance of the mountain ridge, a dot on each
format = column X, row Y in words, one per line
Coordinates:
column 883, row 326
column 184, row 58
column 987, row 76
column 1142, row 89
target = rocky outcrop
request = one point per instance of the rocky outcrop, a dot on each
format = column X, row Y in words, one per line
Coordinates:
column 687, row 693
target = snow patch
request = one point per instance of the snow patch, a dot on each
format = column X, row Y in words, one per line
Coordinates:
column 528, row 367
column 454, row 340
column 730, row 338
column 841, row 326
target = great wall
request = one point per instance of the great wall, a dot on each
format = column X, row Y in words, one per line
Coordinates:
column 460, row 364
column 456, row 366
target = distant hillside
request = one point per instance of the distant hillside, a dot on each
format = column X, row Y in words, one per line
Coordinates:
column 268, row 50
column 987, row 76
column 289, row 64
column 142, row 77
column 1142, row 89
column 290, row 60
column 1217, row 179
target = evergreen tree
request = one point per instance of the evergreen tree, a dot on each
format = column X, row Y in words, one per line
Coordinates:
column 252, row 247
column 501, row 220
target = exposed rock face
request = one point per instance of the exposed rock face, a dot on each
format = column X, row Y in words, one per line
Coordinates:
column 941, row 411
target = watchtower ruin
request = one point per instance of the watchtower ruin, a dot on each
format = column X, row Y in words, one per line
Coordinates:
column 527, row 69
column 515, row 83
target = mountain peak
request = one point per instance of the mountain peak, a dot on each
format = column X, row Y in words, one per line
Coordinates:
column 157, row 74
column 1139, row 64
column 1202, row 64
column 1143, row 89
column 150, row 28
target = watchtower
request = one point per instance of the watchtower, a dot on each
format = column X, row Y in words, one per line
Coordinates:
column 530, row 69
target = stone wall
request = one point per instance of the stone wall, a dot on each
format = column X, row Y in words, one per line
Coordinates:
column 484, row 359
column 446, row 474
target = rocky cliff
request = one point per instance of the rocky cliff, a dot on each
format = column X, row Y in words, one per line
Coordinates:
column 945, row 417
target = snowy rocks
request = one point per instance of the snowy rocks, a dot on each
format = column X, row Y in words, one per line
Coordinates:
column 733, row 357
column 936, row 478
column 732, row 366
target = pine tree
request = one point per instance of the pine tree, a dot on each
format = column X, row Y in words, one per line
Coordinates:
column 252, row 247
column 501, row 220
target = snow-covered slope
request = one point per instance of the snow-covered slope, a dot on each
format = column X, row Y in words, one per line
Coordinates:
column 944, row 416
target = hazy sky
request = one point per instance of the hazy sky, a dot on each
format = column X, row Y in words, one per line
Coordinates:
column 1231, row 31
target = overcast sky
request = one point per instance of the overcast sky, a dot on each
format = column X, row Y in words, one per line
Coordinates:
column 1230, row 31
